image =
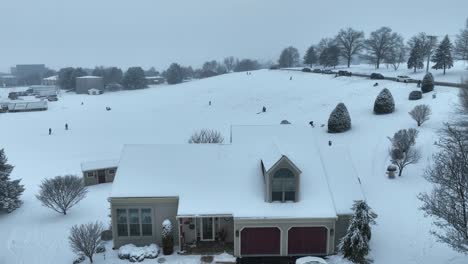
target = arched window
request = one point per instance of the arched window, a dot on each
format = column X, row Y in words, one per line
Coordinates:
column 283, row 186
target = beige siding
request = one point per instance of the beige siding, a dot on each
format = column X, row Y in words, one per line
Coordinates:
column 284, row 225
column 94, row 180
column 341, row 227
column 162, row 208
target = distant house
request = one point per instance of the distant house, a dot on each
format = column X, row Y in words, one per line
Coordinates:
column 93, row 91
column 101, row 171
column 257, row 195
column 85, row 83
column 155, row 80
column 52, row 80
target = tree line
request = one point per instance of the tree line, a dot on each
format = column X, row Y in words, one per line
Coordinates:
column 382, row 46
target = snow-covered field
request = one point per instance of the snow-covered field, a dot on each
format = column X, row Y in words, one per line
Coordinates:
column 169, row 114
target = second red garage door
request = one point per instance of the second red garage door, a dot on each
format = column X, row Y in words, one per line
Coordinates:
column 307, row 240
column 260, row 241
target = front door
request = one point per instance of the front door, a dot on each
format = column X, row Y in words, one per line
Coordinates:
column 101, row 176
column 207, row 229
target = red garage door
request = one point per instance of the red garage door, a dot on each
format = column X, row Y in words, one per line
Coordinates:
column 307, row 240
column 260, row 241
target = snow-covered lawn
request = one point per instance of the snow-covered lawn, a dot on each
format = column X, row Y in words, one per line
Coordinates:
column 170, row 114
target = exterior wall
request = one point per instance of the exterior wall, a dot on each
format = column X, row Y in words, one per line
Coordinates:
column 192, row 235
column 282, row 164
column 284, row 225
column 341, row 227
column 94, row 180
column 84, row 84
column 161, row 209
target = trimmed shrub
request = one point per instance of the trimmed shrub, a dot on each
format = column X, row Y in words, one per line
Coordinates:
column 427, row 84
column 376, row 76
column 415, row 95
column 339, row 120
column 285, row 122
column 167, row 237
column 306, row 70
column 384, row 103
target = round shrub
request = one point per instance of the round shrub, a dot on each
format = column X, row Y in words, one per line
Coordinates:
column 427, row 84
column 339, row 120
column 384, row 103
column 415, row 95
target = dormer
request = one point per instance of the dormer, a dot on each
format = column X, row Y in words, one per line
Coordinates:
column 282, row 180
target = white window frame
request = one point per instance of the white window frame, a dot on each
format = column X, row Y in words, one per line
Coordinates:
column 90, row 174
column 212, row 226
column 127, row 212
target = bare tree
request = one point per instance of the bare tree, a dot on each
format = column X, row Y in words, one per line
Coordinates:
column 206, row 136
column 85, row 238
column 62, row 192
column 229, row 63
column 402, row 152
column 461, row 43
column 380, row 43
column 396, row 55
column 350, row 42
column 289, row 57
column 448, row 200
column 420, row 113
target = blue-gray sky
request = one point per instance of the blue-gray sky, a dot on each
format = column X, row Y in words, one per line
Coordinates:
column 157, row 32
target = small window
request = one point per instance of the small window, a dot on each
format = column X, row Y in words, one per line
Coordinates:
column 122, row 227
column 112, row 171
column 146, row 223
column 134, row 218
column 90, row 174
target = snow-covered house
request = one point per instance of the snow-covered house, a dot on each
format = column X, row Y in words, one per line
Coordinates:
column 272, row 191
column 99, row 171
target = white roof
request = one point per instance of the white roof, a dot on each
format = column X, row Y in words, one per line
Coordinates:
column 52, row 78
column 93, row 90
column 99, row 164
column 212, row 179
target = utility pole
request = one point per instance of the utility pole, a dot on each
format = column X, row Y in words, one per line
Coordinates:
column 432, row 40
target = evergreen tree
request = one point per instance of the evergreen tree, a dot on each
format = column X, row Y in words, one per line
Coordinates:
column 10, row 190
column 416, row 59
column 355, row 244
column 167, row 237
column 443, row 56
column 427, row 83
column 329, row 57
column 134, row 78
column 310, row 57
column 174, row 74
column 339, row 120
column 289, row 57
column 461, row 43
column 384, row 103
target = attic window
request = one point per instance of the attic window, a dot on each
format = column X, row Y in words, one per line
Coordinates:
column 283, row 186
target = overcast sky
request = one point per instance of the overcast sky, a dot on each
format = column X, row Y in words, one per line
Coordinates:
column 155, row 33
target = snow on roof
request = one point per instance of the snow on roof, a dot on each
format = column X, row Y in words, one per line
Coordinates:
column 195, row 173
column 99, row 164
column 94, row 90
column 89, row 77
column 52, row 78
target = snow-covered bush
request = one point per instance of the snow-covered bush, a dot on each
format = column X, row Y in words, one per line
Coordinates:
column 339, row 120
column 420, row 113
column 206, row 136
column 167, row 237
column 384, row 103
column 138, row 254
column 10, row 190
column 355, row 244
column 79, row 259
column 415, row 95
column 427, row 84
column 85, row 239
column 101, row 248
column 285, row 122
column 62, row 192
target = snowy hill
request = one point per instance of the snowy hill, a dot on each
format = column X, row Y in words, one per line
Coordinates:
column 170, row 114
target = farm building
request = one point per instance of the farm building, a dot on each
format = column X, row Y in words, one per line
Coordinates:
column 85, row 83
column 155, row 80
column 100, row 171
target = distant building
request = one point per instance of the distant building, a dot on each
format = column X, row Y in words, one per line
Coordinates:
column 155, row 80
column 29, row 74
column 44, row 90
column 85, row 83
column 100, row 171
column 93, row 91
column 8, row 81
column 52, row 80
column 26, row 106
